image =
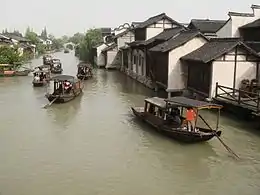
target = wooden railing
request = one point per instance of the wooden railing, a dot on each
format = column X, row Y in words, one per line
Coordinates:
column 241, row 97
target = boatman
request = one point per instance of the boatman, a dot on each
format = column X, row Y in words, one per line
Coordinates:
column 190, row 117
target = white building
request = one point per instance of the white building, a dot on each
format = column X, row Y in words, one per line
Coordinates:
column 236, row 20
column 137, row 63
column 169, row 73
column 224, row 61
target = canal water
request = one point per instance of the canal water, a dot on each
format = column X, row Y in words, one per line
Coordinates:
column 93, row 145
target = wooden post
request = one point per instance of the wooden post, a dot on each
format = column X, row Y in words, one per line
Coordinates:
column 218, row 119
column 216, row 92
column 235, row 71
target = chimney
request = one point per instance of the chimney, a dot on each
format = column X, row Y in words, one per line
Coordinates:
column 256, row 11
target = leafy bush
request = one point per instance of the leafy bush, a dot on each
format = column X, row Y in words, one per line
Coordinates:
column 9, row 55
column 92, row 38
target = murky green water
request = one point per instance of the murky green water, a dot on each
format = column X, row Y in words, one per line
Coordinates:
column 93, row 145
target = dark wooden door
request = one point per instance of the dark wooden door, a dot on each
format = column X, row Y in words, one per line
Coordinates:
column 199, row 77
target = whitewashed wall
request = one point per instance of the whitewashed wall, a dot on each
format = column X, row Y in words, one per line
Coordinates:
column 231, row 28
column 126, row 38
column 177, row 75
column 113, row 58
column 100, row 56
column 245, row 70
column 226, row 30
column 238, row 21
column 157, row 28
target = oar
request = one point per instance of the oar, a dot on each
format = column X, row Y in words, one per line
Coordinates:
column 225, row 145
column 47, row 105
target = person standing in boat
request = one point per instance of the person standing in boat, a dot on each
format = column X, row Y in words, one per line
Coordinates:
column 190, row 117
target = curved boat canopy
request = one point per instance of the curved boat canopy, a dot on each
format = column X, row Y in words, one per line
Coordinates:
column 83, row 64
column 65, row 78
column 187, row 102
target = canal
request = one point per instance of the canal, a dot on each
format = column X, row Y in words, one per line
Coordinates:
column 93, row 145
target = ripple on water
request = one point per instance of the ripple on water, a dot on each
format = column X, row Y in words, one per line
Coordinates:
column 94, row 145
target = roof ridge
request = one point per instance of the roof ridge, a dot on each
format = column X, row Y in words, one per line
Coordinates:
column 254, row 6
column 161, row 14
column 208, row 20
column 241, row 14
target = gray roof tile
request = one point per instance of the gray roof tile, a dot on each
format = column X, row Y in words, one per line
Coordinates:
column 215, row 48
column 176, row 41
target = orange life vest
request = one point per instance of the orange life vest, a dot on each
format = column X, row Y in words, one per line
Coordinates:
column 190, row 115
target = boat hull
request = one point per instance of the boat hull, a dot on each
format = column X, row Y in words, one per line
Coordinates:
column 176, row 133
column 60, row 99
column 85, row 77
column 22, row 73
column 59, row 71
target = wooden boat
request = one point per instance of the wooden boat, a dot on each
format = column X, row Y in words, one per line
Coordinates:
column 7, row 70
column 157, row 111
column 56, row 67
column 41, row 78
column 60, row 93
column 47, row 60
column 84, row 71
column 22, row 72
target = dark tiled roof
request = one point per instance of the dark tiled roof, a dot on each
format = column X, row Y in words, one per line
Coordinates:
column 134, row 24
column 241, row 14
column 18, row 38
column 155, row 19
column 165, row 35
column 136, row 43
column 122, row 33
column 214, row 49
column 176, row 41
column 254, row 24
column 105, row 30
column 253, row 6
column 4, row 37
column 109, row 47
column 254, row 45
column 206, row 26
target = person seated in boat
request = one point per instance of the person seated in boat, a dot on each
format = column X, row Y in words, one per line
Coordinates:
column 177, row 116
column 67, row 86
column 82, row 72
column 41, row 76
column 151, row 109
column 36, row 77
column 174, row 117
column 190, row 118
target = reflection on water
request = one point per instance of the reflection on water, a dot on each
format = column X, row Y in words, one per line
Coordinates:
column 94, row 145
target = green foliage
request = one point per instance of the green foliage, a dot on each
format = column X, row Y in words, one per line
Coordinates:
column 65, row 39
column 32, row 36
column 41, row 48
column 77, row 38
column 44, row 34
column 57, row 43
column 92, row 38
column 9, row 55
column 69, row 46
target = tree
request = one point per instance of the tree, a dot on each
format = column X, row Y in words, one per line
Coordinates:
column 17, row 33
column 57, row 43
column 92, row 38
column 76, row 38
column 44, row 34
column 32, row 36
column 65, row 39
column 69, row 46
column 9, row 55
